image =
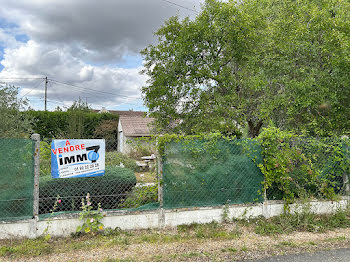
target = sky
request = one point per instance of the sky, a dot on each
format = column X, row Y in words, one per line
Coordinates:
column 87, row 49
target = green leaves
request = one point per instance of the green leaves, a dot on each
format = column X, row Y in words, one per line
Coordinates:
column 91, row 218
column 12, row 122
column 259, row 62
column 297, row 167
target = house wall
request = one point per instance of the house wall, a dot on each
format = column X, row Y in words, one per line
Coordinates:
column 127, row 147
column 123, row 146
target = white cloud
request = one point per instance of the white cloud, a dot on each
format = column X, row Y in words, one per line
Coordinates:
column 98, row 31
column 80, row 42
column 112, row 85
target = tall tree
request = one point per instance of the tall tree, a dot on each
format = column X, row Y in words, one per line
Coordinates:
column 250, row 63
column 12, row 122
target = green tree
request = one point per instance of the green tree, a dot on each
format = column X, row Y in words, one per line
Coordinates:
column 250, row 64
column 76, row 125
column 12, row 122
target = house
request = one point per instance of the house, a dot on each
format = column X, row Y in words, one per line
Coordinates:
column 132, row 124
column 131, row 127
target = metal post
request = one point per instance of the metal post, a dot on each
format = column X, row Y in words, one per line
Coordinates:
column 160, row 191
column 36, row 138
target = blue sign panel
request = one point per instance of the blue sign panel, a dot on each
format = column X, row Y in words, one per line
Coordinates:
column 77, row 158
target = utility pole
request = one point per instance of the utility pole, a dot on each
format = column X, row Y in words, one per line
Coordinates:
column 46, row 93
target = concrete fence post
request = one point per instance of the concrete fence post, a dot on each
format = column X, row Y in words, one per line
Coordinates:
column 345, row 174
column 36, row 138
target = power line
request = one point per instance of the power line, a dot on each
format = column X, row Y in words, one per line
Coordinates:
column 33, row 88
column 91, row 89
column 187, row 8
column 21, row 78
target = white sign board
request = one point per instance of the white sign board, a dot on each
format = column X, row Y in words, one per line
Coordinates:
column 77, row 158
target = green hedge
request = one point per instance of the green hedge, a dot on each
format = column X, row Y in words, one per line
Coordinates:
column 107, row 190
column 58, row 124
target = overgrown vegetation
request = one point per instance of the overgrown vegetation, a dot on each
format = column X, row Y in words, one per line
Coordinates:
column 298, row 167
column 74, row 123
column 117, row 158
column 91, row 218
column 305, row 221
column 294, row 166
column 140, row 196
column 141, row 146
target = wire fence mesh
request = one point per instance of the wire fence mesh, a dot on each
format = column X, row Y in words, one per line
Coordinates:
column 16, row 178
column 202, row 173
column 317, row 168
column 195, row 173
column 117, row 189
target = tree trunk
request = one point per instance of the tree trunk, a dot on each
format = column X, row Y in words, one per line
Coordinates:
column 254, row 130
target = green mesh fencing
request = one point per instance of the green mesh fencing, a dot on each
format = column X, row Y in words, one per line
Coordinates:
column 209, row 173
column 117, row 189
column 16, row 178
column 328, row 158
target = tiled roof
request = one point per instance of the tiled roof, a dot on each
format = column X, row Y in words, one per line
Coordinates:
column 122, row 113
column 128, row 113
column 136, row 125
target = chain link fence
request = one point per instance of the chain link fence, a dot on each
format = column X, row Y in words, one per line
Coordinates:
column 194, row 173
column 117, row 189
column 317, row 168
column 16, row 178
column 203, row 173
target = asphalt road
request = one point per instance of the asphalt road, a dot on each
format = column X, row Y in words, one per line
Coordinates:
column 335, row 255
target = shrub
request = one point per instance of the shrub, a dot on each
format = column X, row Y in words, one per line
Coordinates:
column 298, row 167
column 45, row 158
column 142, row 146
column 107, row 190
column 140, row 196
column 72, row 124
column 108, row 129
column 115, row 158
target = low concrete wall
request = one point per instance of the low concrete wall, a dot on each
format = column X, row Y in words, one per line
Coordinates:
column 67, row 224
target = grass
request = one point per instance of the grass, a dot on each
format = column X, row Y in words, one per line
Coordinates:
column 211, row 230
column 304, row 221
column 146, row 177
column 287, row 244
column 110, row 238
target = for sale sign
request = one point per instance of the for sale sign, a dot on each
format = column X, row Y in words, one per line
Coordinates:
column 77, row 158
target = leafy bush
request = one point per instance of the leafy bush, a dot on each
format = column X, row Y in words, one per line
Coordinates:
column 107, row 190
column 108, row 129
column 72, row 124
column 143, row 146
column 116, row 158
column 299, row 167
column 45, row 158
column 140, row 196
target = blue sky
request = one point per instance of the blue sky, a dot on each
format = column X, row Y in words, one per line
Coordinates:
column 91, row 48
